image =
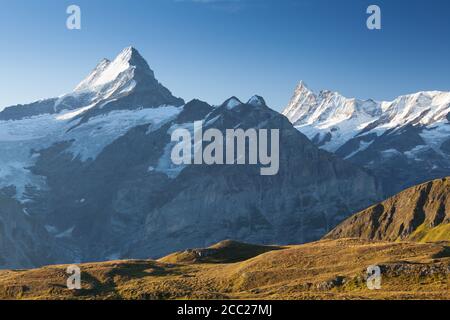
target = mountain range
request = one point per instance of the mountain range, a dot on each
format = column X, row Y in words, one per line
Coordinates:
column 403, row 142
column 87, row 176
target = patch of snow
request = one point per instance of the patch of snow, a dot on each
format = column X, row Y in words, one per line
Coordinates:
column 211, row 121
column 165, row 163
column 65, row 234
column 105, row 129
column 414, row 153
column 389, row 153
column 434, row 136
column 233, row 103
column 51, row 229
column 72, row 114
column 256, row 101
column 21, row 140
column 362, row 146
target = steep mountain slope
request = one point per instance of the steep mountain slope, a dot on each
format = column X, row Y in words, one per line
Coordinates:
column 322, row 270
column 421, row 213
column 96, row 174
column 404, row 142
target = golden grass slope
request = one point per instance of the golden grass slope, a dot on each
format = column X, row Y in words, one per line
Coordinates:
column 329, row 269
column 227, row 251
column 421, row 213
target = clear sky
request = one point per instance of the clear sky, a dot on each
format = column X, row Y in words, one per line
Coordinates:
column 213, row 49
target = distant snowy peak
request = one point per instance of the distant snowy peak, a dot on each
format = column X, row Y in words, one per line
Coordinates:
column 232, row 103
column 330, row 119
column 425, row 107
column 307, row 107
column 257, row 101
column 301, row 104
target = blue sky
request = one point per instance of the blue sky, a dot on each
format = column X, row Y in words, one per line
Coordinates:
column 213, row 49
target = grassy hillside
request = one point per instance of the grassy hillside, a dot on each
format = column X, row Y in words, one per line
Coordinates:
column 425, row 233
column 227, row 251
column 329, row 269
column 421, row 213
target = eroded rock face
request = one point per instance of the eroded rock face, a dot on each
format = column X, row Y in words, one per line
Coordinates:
column 419, row 213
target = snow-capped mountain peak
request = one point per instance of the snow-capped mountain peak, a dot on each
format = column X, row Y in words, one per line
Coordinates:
column 301, row 102
column 108, row 72
column 232, row 103
column 302, row 86
column 126, row 82
column 424, row 107
column 256, row 101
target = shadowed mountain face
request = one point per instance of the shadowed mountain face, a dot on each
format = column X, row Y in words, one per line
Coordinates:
column 404, row 142
column 23, row 242
column 93, row 174
column 421, row 213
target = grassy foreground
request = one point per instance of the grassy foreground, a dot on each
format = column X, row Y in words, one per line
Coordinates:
column 328, row 269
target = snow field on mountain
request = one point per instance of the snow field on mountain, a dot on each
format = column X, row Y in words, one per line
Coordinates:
column 21, row 140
